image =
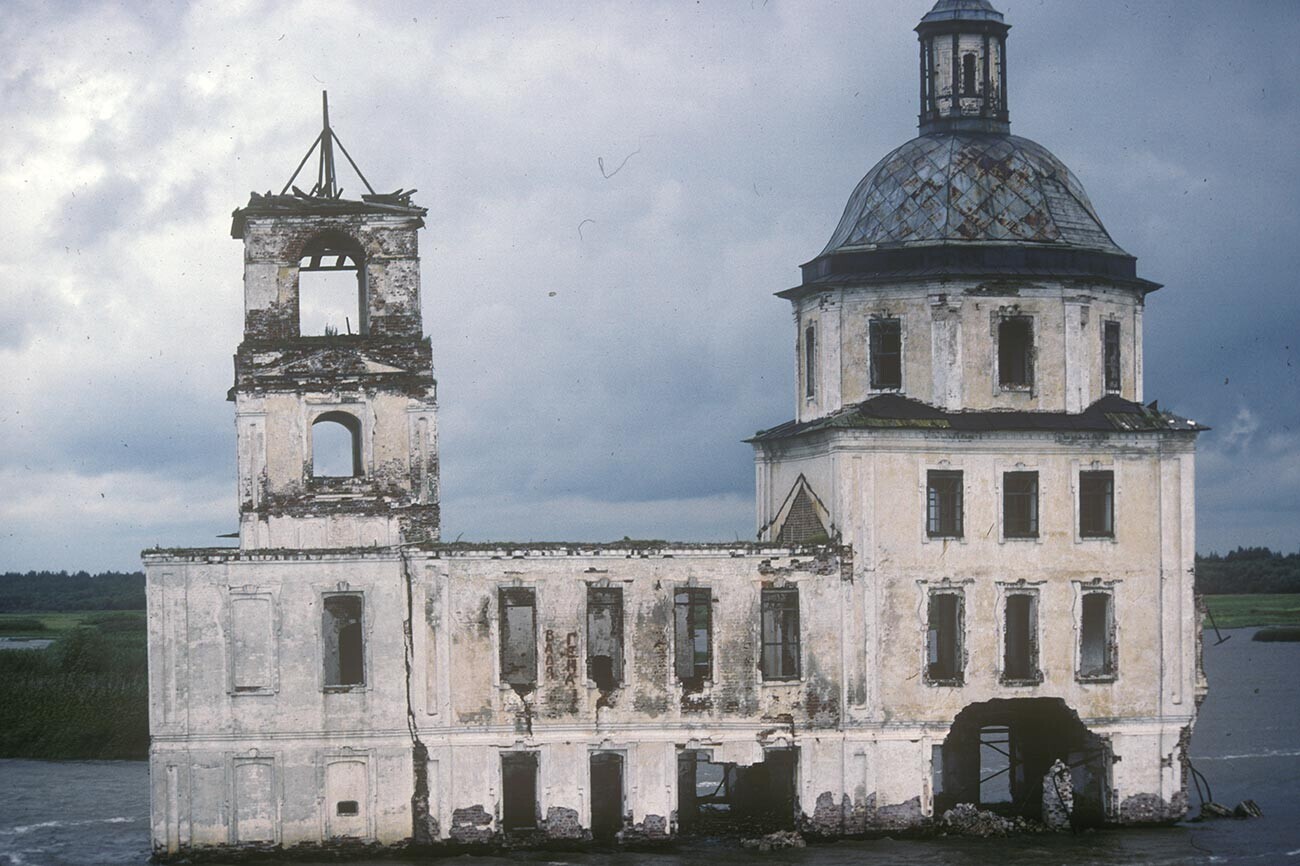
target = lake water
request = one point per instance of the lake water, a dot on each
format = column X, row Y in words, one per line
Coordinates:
column 1247, row 743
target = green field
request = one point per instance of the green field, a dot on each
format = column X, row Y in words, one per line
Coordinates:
column 59, row 623
column 1241, row 611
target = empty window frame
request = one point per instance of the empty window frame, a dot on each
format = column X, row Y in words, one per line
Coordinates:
column 1020, row 504
column 1097, row 504
column 331, row 287
column 605, row 636
column 943, row 505
column 779, row 659
column 1016, row 352
column 336, row 446
column 693, row 622
column 518, row 790
column 1096, row 636
column 1111, row 356
column 518, row 618
column 944, row 639
column 1020, row 638
column 968, row 87
column 886, row 340
column 810, row 362
column 344, row 650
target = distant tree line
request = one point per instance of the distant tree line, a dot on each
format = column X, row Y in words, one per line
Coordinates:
column 58, row 590
column 1248, row 570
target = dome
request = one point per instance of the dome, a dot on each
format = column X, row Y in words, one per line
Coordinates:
column 969, row 188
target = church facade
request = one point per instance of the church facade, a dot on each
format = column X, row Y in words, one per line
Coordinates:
column 973, row 559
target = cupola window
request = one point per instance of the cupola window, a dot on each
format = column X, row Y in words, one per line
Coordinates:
column 1016, row 352
column 968, row 75
column 810, row 362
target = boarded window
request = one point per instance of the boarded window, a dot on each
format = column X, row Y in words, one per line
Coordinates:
column 1097, row 504
column 944, row 639
column 1096, row 649
column 803, row 525
column 1111, row 355
column 344, row 645
column 810, row 361
column 252, row 645
column 1016, row 352
column 693, row 614
column 518, row 790
column 254, row 807
column 1020, row 504
column 780, row 633
column 518, row 615
column 605, row 636
column 1020, row 652
column 347, row 787
column 944, row 503
column 886, row 340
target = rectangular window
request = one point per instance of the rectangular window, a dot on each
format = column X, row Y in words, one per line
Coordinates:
column 780, row 626
column 344, row 643
column 944, row 639
column 1096, row 642
column 605, row 636
column 1110, row 352
column 1097, row 504
column 1020, row 650
column 810, row 361
column 886, row 338
column 1016, row 352
column 943, row 504
column 1020, row 504
column 518, row 615
column 518, row 790
column 252, row 650
column 693, row 611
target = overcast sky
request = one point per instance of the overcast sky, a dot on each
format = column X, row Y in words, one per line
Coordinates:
column 602, row 344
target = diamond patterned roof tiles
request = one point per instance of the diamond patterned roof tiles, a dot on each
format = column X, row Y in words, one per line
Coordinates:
column 948, row 188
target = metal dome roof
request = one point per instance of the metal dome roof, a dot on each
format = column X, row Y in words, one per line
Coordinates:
column 964, row 10
column 969, row 188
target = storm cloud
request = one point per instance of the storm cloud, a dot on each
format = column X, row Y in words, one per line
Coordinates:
column 615, row 192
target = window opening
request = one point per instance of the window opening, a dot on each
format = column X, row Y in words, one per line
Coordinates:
column 780, row 634
column 713, row 797
column 1015, row 352
column 693, row 613
column 344, row 644
column 518, row 790
column 944, row 639
column 331, row 288
column 1111, row 354
column 1097, row 504
column 995, row 765
column 886, row 338
column 517, row 609
column 1020, row 504
column 347, row 807
column 810, row 361
column 968, row 75
column 1020, row 653
column 605, row 636
column 336, row 446
column 606, row 795
column 1096, row 655
column 944, row 503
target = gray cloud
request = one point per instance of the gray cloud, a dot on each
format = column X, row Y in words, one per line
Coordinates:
column 617, row 404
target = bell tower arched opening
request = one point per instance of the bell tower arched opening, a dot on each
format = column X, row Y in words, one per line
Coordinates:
column 332, row 287
column 336, row 446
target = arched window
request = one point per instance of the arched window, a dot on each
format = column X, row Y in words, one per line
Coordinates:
column 336, row 446
column 968, row 75
column 332, row 287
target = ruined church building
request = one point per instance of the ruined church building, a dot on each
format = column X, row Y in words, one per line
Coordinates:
column 974, row 550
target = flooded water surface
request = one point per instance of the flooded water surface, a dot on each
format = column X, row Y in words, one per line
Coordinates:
column 1247, row 744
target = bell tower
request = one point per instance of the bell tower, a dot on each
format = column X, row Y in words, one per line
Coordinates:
column 337, row 431
column 963, row 68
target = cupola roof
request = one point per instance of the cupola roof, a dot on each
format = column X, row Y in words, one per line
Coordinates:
column 964, row 10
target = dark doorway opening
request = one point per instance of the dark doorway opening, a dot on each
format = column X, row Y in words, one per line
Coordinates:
column 518, row 790
column 606, row 795
column 998, row 752
column 721, row 797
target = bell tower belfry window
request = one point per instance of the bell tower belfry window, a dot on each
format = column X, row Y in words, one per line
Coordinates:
column 334, row 359
column 963, row 68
